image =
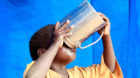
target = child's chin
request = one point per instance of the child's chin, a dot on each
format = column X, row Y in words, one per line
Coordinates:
column 71, row 59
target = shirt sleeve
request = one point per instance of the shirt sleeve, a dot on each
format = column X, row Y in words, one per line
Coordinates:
column 27, row 69
column 104, row 71
column 97, row 71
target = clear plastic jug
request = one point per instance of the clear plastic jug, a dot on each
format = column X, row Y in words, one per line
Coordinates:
column 86, row 21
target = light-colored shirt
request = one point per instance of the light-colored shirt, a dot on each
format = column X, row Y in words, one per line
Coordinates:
column 94, row 71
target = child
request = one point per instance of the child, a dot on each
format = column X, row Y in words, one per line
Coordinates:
column 51, row 55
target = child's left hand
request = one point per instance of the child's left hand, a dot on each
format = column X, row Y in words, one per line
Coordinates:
column 107, row 25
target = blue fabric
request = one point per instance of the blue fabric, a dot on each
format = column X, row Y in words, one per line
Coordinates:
column 19, row 19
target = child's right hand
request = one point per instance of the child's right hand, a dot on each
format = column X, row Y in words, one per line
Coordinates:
column 61, row 33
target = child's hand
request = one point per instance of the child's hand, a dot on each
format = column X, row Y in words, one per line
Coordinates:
column 61, row 33
column 107, row 25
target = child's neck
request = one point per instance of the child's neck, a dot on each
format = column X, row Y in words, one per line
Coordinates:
column 60, row 68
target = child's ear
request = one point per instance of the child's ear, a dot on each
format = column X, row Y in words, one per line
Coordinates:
column 40, row 51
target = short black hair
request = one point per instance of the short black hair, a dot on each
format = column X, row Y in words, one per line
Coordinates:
column 43, row 38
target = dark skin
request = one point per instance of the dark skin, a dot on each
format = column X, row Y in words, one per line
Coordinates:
column 59, row 55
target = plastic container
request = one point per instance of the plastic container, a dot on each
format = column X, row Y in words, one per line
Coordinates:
column 86, row 21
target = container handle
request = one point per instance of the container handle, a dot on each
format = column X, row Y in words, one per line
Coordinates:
column 79, row 44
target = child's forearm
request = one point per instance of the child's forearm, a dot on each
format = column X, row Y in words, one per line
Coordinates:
column 109, row 56
column 43, row 63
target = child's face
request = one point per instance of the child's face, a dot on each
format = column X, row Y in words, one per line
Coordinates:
column 65, row 55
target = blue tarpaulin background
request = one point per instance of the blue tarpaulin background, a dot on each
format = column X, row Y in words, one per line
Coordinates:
column 19, row 19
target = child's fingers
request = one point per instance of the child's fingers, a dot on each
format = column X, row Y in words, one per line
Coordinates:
column 106, row 20
column 100, row 31
column 65, row 25
column 100, row 14
column 56, row 26
column 103, row 16
column 68, row 34
column 67, row 30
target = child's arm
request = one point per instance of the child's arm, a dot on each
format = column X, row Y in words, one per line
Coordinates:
column 43, row 63
column 109, row 56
